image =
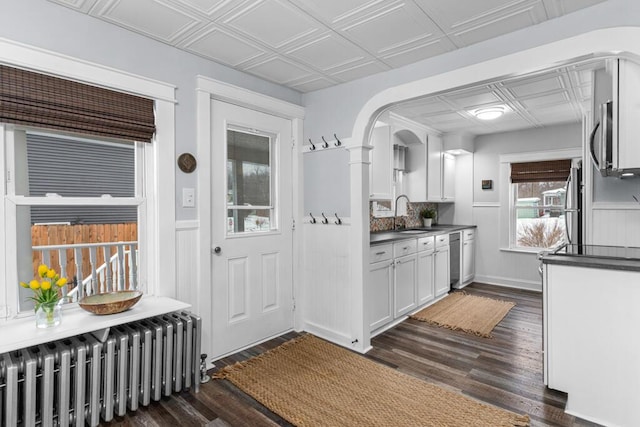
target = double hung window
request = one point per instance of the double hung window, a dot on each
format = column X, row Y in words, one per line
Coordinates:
column 81, row 183
column 538, row 193
column 74, row 205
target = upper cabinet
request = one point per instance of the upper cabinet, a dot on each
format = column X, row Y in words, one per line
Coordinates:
column 431, row 175
column 408, row 158
column 381, row 169
column 392, row 139
column 441, row 171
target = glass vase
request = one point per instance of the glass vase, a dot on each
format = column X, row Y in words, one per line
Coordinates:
column 48, row 315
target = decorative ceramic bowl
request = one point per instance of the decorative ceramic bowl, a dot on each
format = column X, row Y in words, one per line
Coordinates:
column 110, row 303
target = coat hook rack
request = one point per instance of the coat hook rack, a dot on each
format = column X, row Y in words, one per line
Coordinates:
column 338, row 221
column 313, row 146
column 312, row 220
column 338, row 143
column 325, row 143
column 324, row 219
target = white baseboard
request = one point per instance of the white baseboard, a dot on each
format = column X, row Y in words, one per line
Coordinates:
column 333, row 336
column 509, row 283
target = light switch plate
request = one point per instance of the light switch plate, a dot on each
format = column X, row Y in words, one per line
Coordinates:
column 188, row 197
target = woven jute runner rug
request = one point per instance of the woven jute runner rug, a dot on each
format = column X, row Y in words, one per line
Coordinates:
column 469, row 313
column 310, row 382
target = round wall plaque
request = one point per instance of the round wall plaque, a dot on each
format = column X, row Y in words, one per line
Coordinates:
column 187, row 163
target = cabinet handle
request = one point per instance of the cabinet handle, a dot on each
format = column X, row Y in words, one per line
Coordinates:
column 405, row 248
column 380, row 253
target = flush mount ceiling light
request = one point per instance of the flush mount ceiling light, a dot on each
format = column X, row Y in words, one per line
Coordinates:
column 489, row 113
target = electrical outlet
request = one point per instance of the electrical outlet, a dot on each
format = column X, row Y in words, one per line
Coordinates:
column 188, row 197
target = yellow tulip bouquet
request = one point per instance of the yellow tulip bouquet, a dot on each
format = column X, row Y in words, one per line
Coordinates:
column 45, row 291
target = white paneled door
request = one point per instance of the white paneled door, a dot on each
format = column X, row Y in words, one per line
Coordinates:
column 251, row 227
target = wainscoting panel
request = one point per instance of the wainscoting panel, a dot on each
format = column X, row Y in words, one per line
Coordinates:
column 187, row 262
column 616, row 225
column 325, row 291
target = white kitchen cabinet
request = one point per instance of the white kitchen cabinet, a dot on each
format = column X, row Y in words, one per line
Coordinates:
column 468, row 256
column 431, row 175
column 380, row 294
column 434, row 168
column 379, row 290
column 425, row 288
column 590, row 324
column 448, row 177
column 405, row 281
column 441, row 266
column 381, row 168
column 402, row 277
column 405, row 269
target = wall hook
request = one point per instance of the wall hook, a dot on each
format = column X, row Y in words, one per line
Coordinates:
column 313, row 220
column 313, row 147
column 338, row 221
column 324, row 219
column 325, row 144
column 337, row 143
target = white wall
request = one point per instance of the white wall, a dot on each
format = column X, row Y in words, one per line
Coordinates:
column 56, row 28
column 494, row 264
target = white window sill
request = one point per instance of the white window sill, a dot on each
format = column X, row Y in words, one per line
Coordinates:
column 522, row 250
column 22, row 332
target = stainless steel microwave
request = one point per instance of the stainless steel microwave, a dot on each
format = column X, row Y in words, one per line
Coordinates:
column 614, row 142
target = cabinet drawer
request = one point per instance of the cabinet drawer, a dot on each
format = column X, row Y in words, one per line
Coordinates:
column 380, row 253
column 406, row 247
column 469, row 234
column 426, row 243
column 442, row 240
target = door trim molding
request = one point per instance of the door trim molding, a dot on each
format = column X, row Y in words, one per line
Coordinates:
column 208, row 89
column 226, row 92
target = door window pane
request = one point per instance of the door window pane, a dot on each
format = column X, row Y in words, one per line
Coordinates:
column 539, row 210
column 249, row 182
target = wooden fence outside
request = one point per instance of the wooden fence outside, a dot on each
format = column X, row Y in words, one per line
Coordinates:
column 44, row 235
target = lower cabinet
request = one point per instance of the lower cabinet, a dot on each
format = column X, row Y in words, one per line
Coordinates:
column 404, row 276
column 468, row 256
column 441, row 266
column 380, row 294
column 405, row 281
column 425, row 288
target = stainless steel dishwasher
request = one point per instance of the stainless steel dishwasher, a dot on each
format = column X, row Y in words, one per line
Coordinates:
column 454, row 259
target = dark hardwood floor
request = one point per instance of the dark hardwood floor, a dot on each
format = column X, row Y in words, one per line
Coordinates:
column 504, row 371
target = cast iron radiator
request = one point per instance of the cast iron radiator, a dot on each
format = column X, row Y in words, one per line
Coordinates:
column 81, row 380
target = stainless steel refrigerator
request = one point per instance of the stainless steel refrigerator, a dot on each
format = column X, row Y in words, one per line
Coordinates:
column 573, row 205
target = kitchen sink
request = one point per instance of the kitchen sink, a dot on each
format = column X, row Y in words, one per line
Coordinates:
column 413, row 231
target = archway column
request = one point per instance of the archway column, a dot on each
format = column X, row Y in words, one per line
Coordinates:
column 359, row 163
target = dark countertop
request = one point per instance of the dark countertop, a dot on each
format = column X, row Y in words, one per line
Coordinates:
column 593, row 262
column 388, row 236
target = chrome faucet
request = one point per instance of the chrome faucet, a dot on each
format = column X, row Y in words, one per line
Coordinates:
column 395, row 212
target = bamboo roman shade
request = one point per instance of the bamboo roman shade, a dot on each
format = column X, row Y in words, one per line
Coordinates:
column 39, row 100
column 551, row 170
